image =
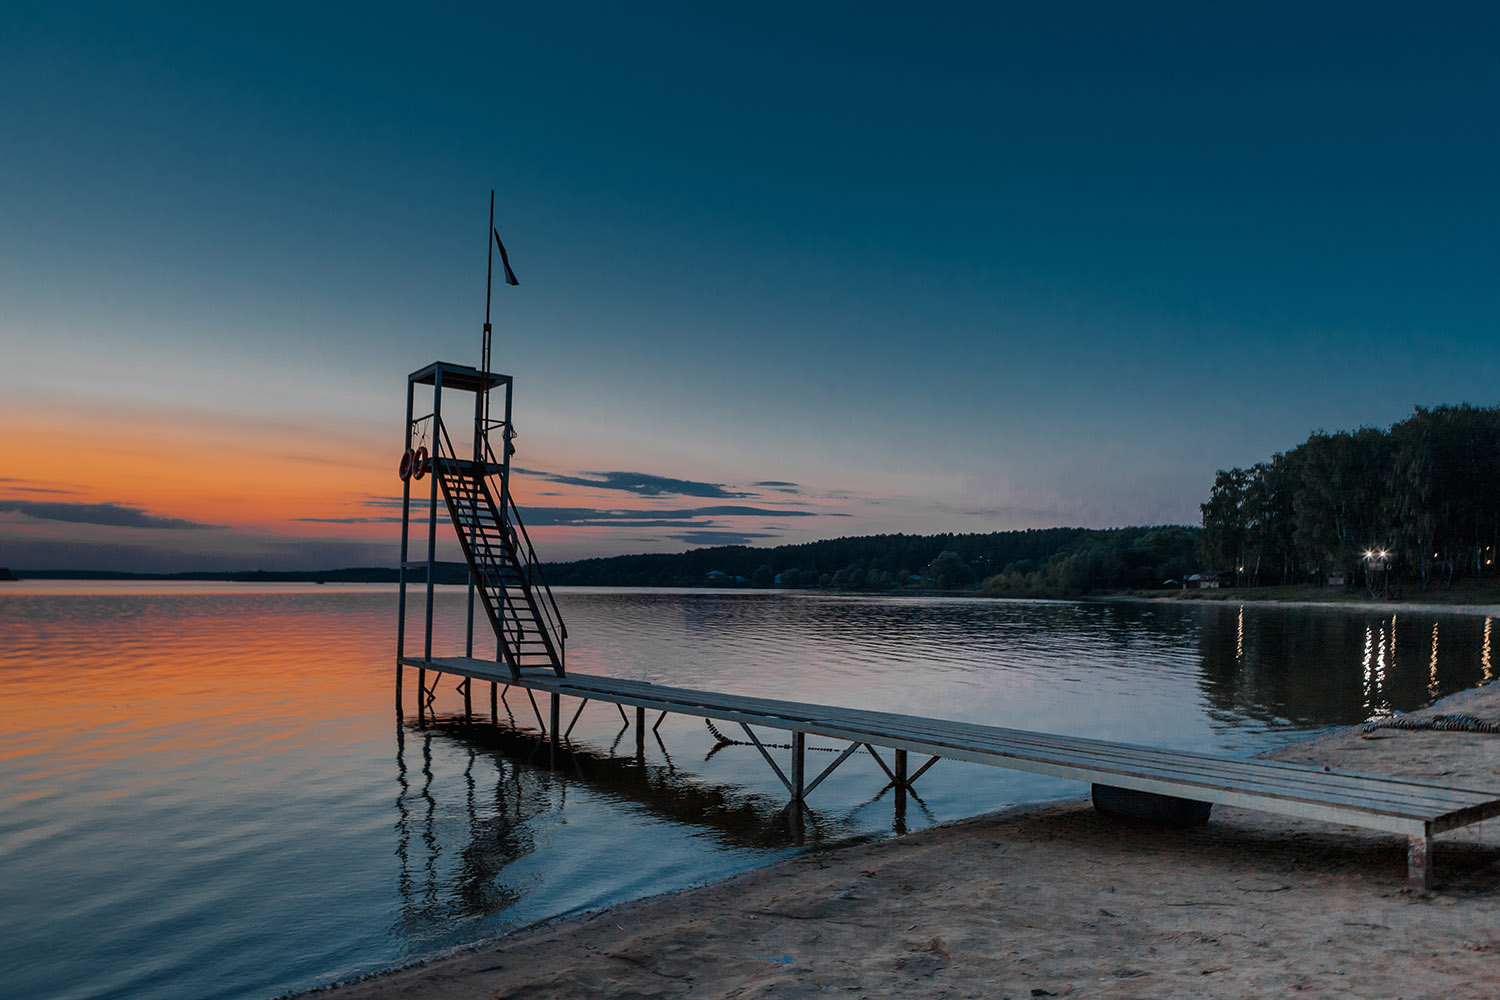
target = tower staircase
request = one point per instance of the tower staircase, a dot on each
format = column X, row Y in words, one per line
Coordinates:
column 502, row 561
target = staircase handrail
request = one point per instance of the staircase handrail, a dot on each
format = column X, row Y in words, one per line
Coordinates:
column 534, row 569
column 533, row 564
column 552, row 618
column 443, row 451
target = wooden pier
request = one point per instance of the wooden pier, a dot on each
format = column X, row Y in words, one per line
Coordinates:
column 1418, row 810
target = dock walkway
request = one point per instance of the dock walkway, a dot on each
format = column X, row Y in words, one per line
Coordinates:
column 1417, row 809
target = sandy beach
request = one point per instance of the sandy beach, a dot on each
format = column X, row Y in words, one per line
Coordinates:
column 1055, row 900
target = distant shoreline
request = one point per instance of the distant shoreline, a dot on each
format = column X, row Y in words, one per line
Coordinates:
column 1486, row 602
column 1393, row 607
column 353, row 574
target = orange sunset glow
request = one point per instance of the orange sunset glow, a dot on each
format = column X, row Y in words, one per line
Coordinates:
column 160, row 487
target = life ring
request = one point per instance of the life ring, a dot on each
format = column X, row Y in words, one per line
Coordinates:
column 407, row 460
column 422, row 464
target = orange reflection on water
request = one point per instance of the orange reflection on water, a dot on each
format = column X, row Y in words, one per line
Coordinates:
column 90, row 680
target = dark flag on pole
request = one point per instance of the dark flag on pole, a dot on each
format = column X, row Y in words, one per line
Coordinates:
column 510, row 276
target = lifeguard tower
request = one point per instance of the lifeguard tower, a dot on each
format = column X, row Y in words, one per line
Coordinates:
column 472, row 478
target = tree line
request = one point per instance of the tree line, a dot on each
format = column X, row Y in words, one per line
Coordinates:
column 1045, row 561
column 1419, row 498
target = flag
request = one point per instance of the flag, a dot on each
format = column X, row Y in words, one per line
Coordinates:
column 510, row 276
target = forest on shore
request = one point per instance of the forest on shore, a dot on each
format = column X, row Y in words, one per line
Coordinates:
column 1039, row 561
column 1417, row 501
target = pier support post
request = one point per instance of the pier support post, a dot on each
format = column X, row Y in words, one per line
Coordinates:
column 468, row 699
column 898, row 779
column 494, row 704
column 421, row 693
column 799, row 762
column 640, row 732
column 1419, row 863
column 556, row 719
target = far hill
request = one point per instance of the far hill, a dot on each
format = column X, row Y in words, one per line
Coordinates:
column 1059, row 561
column 1035, row 562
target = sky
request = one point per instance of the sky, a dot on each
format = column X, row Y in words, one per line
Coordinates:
column 787, row 271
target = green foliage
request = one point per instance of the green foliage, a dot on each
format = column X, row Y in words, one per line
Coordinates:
column 1037, row 562
column 1425, row 489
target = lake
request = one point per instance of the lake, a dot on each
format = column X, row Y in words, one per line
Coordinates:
column 208, row 791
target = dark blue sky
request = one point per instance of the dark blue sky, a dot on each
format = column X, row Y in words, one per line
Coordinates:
column 983, row 267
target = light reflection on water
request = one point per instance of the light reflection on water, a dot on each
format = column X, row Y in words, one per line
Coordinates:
column 206, row 792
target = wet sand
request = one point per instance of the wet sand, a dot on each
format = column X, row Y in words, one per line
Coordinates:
column 1055, row 900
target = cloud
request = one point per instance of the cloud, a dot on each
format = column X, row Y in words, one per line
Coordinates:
column 349, row 520
column 779, row 486
column 719, row 537
column 640, row 483
column 111, row 514
column 17, row 488
column 686, row 517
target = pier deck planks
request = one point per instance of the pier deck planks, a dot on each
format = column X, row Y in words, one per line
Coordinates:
column 1417, row 809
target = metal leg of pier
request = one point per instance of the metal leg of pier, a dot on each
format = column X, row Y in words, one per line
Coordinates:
column 1419, row 862
column 640, row 732
column 569, row 731
column 494, row 706
column 921, row 771
column 556, row 718
column 771, row 761
column 898, row 779
column 421, row 693
column 848, row 752
column 799, row 765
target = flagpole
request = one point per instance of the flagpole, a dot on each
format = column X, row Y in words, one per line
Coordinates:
column 485, row 354
column 489, row 271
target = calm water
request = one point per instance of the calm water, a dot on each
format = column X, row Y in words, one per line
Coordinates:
column 207, row 791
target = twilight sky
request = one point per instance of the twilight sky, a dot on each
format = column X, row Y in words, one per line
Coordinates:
column 787, row 272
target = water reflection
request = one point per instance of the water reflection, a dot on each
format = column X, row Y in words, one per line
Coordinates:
column 1484, row 659
column 202, row 793
column 1289, row 669
column 453, row 874
column 1239, row 636
column 1432, row 664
